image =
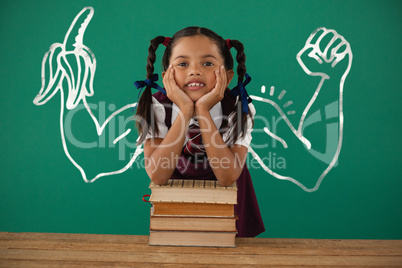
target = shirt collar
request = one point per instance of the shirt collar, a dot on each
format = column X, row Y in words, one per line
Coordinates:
column 215, row 112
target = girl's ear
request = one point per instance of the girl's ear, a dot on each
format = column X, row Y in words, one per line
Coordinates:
column 163, row 74
column 229, row 76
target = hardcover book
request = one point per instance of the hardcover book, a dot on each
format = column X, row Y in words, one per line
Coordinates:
column 193, row 191
column 192, row 209
column 177, row 223
column 182, row 238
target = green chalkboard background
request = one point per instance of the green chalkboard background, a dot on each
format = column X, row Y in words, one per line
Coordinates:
column 361, row 197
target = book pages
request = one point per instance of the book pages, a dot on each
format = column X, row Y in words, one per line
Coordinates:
column 207, row 184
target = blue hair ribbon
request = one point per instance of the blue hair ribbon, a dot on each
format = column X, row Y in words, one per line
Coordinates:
column 141, row 84
column 240, row 89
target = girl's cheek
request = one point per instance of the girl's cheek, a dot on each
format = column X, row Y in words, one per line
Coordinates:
column 179, row 81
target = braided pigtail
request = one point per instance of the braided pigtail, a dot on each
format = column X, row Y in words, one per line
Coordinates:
column 143, row 114
column 239, row 117
column 240, row 58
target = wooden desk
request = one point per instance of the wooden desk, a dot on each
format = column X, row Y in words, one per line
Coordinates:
column 86, row 250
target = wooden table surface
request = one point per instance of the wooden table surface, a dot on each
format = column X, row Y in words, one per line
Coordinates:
column 92, row 250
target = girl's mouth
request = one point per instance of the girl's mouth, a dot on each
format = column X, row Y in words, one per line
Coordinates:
column 195, row 85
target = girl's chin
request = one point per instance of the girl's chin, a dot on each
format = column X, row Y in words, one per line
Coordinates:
column 196, row 95
column 194, row 99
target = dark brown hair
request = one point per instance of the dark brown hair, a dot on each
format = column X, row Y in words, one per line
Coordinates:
column 143, row 113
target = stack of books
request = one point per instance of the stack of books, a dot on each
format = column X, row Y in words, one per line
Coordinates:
column 193, row 213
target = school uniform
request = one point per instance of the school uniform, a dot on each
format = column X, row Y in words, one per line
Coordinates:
column 193, row 163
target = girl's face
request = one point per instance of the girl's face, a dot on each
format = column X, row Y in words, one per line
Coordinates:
column 195, row 60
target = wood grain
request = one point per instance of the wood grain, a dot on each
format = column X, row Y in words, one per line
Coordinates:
column 92, row 250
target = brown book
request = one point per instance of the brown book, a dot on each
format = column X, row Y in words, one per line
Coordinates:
column 193, row 191
column 192, row 209
column 180, row 238
column 210, row 224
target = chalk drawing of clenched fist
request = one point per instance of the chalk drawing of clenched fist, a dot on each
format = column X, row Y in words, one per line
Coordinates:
column 321, row 55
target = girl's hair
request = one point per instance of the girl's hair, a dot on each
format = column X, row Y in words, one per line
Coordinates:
column 239, row 126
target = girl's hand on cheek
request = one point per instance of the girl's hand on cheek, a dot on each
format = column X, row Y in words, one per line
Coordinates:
column 216, row 94
column 175, row 94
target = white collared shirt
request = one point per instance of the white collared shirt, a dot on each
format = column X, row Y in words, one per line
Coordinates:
column 216, row 114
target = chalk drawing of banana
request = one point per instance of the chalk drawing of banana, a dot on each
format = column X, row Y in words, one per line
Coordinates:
column 79, row 77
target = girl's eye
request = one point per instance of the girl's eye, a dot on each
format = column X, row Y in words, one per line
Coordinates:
column 182, row 64
column 208, row 64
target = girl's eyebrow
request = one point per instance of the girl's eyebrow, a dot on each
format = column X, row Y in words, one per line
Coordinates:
column 209, row 56
column 186, row 57
column 181, row 57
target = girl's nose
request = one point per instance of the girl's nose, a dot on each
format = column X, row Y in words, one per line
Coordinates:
column 195, row 71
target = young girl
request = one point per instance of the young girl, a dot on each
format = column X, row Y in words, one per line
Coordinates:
column 196, row 128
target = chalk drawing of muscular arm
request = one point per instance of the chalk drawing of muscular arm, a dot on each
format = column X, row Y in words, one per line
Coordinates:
column 79, row 76
column 323, row 52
